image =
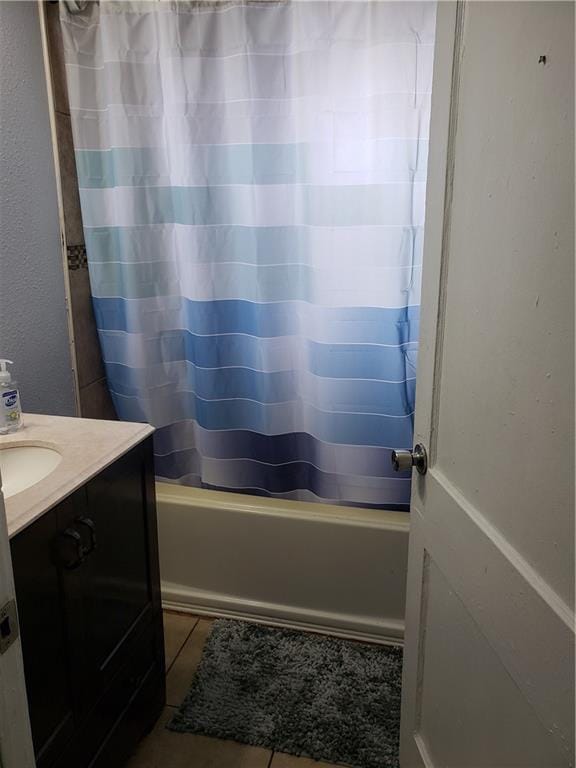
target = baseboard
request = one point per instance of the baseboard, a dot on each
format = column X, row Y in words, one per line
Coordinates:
column 369, row 629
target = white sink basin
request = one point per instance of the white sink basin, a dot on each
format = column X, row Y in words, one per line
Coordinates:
column 24, row 465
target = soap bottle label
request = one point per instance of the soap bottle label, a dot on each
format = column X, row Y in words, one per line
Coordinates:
column 10, row 408
column 10, row 398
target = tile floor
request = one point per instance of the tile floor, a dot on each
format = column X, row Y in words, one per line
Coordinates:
column 184, row 637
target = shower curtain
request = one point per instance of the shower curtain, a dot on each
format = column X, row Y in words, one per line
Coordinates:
column 252, row 180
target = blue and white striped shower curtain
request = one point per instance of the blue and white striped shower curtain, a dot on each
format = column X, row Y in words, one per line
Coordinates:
column 252, row 179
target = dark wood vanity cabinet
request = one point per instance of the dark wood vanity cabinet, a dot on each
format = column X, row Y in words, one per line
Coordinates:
column 88, row 593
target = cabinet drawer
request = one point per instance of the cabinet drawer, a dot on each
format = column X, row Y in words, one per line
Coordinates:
column 87, row 741
column 138, row 719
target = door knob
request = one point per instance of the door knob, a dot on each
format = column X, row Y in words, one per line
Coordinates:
column 402, row 460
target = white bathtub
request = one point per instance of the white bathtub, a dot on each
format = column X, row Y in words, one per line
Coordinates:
column 330, row 569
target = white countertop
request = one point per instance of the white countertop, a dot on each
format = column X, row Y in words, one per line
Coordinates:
column 87, row 446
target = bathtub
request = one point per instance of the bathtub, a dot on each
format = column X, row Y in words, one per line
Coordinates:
column 339, row 570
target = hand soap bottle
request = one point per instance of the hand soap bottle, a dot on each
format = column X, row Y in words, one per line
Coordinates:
column 10, row 409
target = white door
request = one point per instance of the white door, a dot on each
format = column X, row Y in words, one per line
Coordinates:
column 16, row 749
column 489, row 674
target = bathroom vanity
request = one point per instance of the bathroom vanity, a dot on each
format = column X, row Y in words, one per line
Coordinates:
column 85, row 559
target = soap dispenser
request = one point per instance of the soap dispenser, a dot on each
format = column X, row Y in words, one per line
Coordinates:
column 10, row 409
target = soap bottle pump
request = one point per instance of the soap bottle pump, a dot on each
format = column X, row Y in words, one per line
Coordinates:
column 10, row 409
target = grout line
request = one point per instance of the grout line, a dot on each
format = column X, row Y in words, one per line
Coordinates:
column 94, row 381
column 168, row 668
column 181, row 647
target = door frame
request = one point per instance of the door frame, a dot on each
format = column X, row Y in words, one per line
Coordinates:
column 16, row 749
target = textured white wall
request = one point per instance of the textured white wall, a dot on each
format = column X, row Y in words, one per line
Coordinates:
column 33, row 329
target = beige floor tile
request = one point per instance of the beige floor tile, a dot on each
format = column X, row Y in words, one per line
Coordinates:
column 281, row 760
column 177, row 627
column 182, row 671
column 166, row 749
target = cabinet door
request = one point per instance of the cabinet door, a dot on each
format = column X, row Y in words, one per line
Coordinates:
column 43, row 632
column 110, row 596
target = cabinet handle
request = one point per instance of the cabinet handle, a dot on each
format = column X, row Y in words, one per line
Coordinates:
column 71, row 563
column 89, row 524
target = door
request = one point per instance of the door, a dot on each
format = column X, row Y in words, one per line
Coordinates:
column 109, row 597
column 488, row 674
column 16, row 750
column 37, row 553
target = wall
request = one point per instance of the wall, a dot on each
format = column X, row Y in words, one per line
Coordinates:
column 33, row 323
column 95, row 400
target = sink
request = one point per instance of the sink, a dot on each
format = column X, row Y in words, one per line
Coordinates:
column 24, row 465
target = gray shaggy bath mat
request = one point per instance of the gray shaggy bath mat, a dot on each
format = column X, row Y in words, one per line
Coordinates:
column 296, row 692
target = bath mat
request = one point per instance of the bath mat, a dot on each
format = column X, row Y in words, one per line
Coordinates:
column 296, row 692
